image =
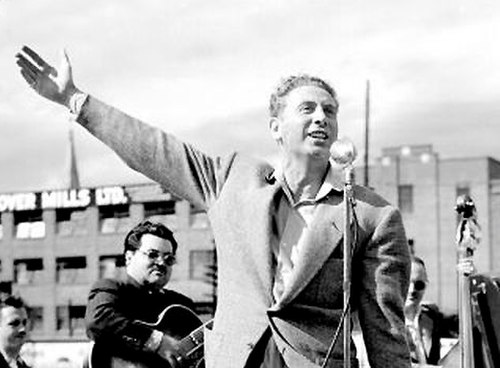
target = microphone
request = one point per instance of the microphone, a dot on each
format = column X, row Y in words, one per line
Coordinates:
column 343, row 152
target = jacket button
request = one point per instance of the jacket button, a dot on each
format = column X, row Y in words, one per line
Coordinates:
column 251, row 346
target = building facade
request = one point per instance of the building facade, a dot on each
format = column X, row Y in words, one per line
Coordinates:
column 55, row 244
column 425, row 188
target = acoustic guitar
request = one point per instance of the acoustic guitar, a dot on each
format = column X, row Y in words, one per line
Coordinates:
column 176, row 321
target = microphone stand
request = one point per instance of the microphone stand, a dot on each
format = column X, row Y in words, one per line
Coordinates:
column 468, row 238
column 349, row 203
column 343, row 152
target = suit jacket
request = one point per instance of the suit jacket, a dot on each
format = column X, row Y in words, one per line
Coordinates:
column 240, row 198
column 4, row 364
column 430, row 327
column 114, row 308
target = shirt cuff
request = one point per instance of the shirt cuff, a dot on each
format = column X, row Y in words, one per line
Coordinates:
column 154, row 341
column 76, row 102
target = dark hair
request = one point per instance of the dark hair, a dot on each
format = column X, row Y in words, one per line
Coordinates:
column 288, row 84
column 133, row 239
column 12, row 301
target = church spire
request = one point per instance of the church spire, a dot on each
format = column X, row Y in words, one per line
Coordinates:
column 74, row 179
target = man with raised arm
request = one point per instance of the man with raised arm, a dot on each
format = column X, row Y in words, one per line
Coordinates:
column 278, row 231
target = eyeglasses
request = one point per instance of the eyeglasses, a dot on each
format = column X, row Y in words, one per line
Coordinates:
column 153, row 255
column 419, row 285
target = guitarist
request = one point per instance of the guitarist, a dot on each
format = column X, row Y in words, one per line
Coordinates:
column 117, row 308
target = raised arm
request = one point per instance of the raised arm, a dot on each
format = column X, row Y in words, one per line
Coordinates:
column 179, row 167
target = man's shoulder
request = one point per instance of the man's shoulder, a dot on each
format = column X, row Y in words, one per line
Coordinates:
column 369, row 197
column 247, row 164
column 111, row 284
column 431, row 310
column 372, row 208
column 175, row 297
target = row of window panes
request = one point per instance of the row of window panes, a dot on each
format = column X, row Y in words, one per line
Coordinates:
column 406, row 196
column 69, row 270
column 112, row 219
column 68, row 318
column 73, row 270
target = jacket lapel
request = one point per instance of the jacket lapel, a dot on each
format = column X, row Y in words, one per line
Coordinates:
column 316, row 245
column 264, row 207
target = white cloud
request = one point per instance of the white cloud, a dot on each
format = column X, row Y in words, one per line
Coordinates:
column 193, row 63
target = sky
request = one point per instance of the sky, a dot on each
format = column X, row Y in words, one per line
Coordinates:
column 203, row 70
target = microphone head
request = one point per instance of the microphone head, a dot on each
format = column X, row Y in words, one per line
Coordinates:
column 343, row 151
column 465, row 206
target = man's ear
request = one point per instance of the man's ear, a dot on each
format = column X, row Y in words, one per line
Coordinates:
column 128, row 256
column 274, row 126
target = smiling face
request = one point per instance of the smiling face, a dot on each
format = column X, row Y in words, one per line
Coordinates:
column 13, row 326
column 307, row 124
column 147, row 264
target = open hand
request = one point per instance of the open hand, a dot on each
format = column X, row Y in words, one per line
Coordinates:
column 55, row 85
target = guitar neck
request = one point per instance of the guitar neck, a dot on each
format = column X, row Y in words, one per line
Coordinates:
column 190, row 344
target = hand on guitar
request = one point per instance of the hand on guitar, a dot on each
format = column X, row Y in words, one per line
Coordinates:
column 167, row 350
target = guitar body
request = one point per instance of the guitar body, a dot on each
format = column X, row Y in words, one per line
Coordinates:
column 176, row 321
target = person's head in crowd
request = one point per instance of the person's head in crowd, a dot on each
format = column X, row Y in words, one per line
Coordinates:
column 418, row 283
column 303, row 117
column 13, row 325
column 149, row 250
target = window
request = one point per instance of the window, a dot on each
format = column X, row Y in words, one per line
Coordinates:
column 111, row 266
column 198, row 219
column 161, row 211
column 70, row 318
column 71, row 270
column 29, row 224
column 405, row 198
column 5, row 287
column 201, row 264
column 114, row 219
column 35, row 315
column 28, row 271
column 71, row 221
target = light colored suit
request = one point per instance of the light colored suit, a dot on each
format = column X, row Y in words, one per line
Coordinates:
column 240, row 198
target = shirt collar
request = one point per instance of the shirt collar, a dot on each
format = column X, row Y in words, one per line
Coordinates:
column 333, row 181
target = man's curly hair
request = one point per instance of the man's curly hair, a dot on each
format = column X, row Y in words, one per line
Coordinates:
column 133, row 238
column 286, row 85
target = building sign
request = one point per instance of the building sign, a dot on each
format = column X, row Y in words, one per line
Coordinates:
column 71, row 198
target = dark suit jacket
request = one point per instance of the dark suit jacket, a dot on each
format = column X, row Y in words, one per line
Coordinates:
column 240, row 199
column 4, row 364
column 114, row 309
column 430, row 329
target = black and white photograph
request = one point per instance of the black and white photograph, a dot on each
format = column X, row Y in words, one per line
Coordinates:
column 249, row 184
